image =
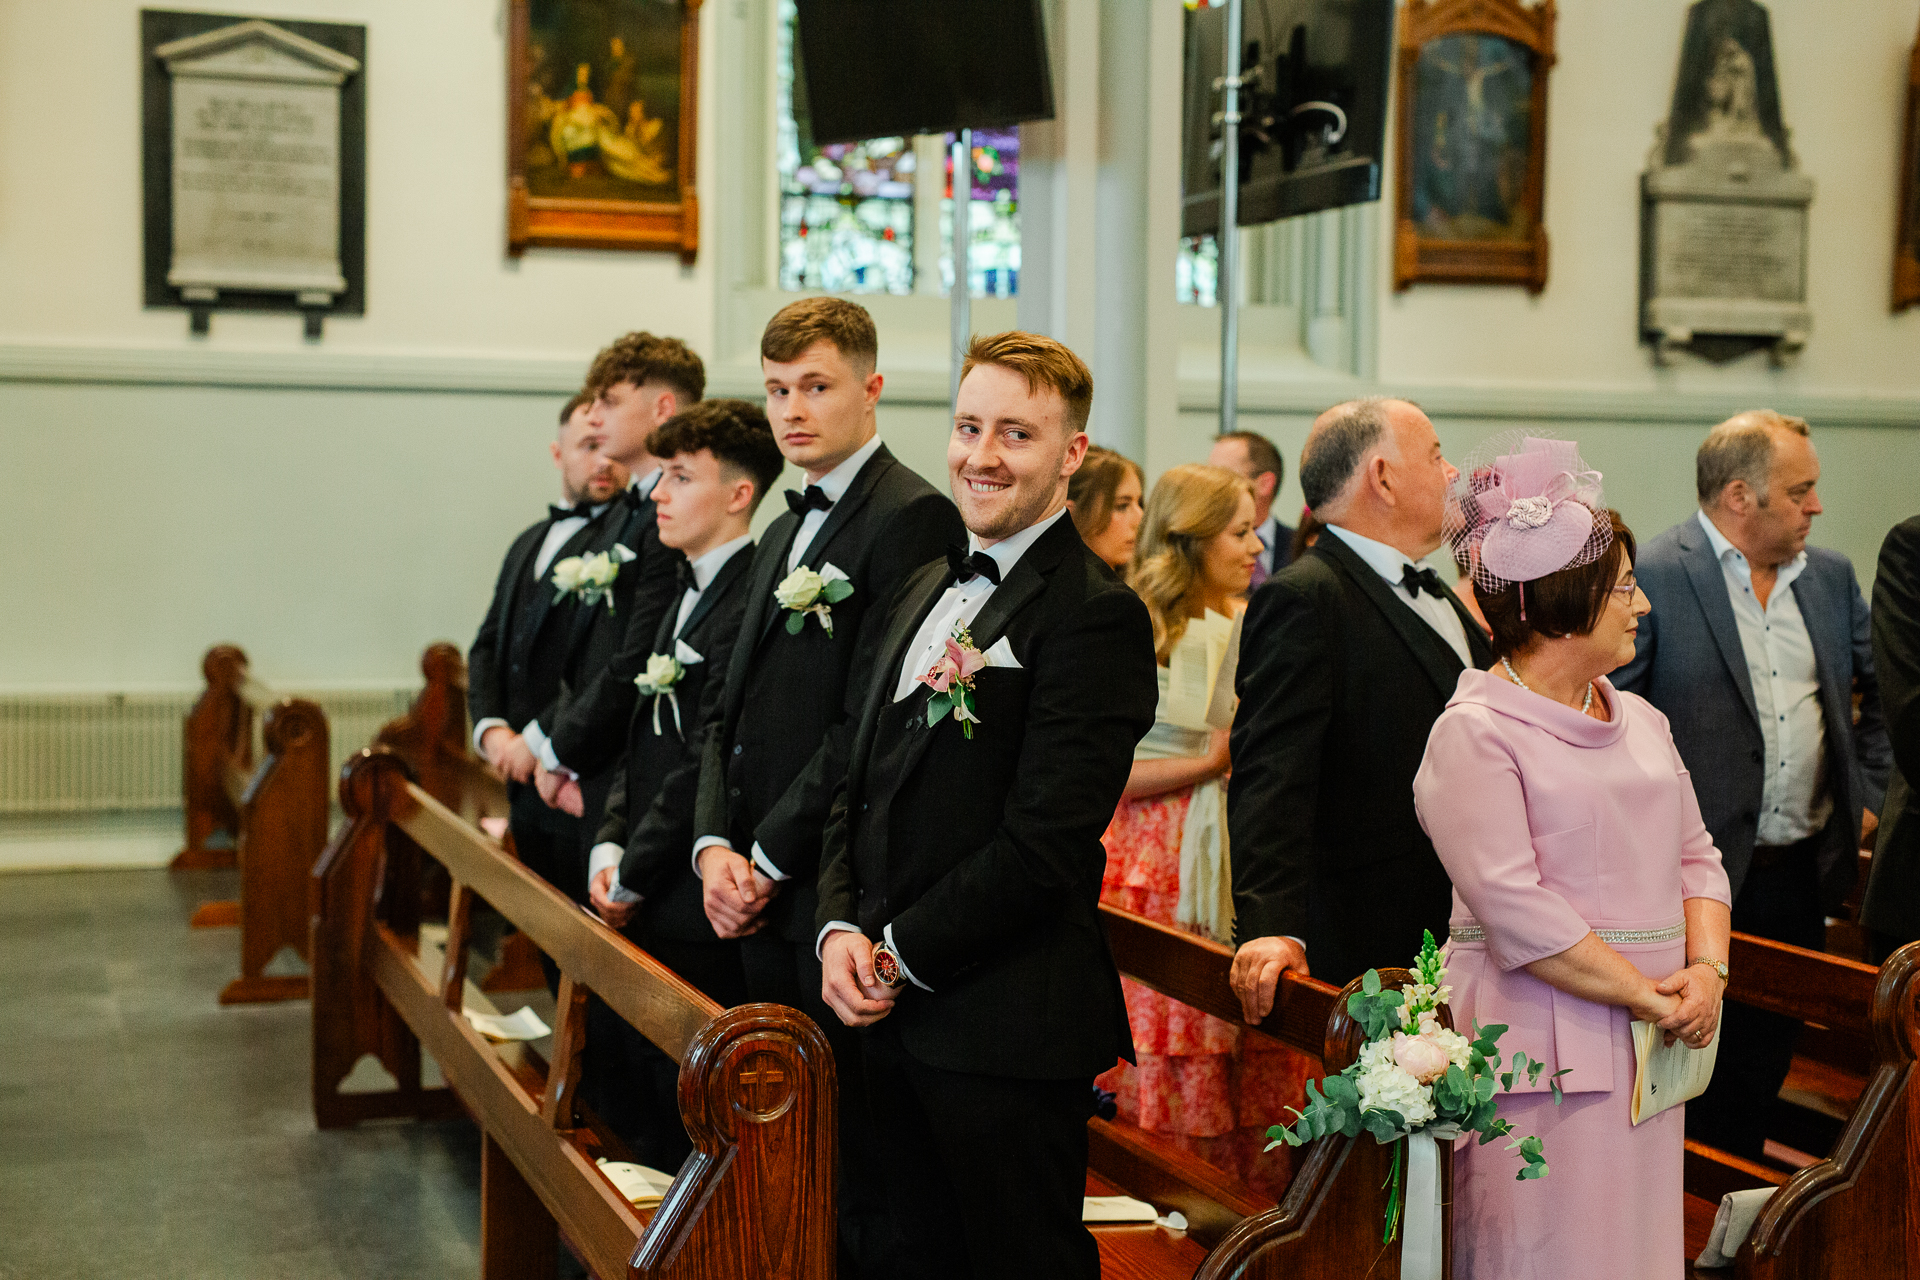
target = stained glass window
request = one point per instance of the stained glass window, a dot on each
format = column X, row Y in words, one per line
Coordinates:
column 847, row 210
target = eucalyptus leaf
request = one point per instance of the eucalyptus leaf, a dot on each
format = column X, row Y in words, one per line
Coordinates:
column 794, row 622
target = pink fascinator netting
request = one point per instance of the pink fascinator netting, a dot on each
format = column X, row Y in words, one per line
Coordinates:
column 1523, row 508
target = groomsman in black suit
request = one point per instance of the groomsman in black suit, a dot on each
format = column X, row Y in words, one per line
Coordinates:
column 1347, row 657
column 958, row 919
column 817, row 594
column 514, row 666
column 637, row 383
column 718, row 460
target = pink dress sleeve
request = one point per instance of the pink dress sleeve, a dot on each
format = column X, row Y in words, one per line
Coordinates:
column 1472, row 804
column 1701, row 874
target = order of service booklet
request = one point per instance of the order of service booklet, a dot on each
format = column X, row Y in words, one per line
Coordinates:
column 1666, row 1075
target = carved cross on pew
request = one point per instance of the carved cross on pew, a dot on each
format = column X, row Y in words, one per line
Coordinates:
column 763, row 1085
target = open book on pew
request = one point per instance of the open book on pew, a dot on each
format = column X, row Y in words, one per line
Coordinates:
column 1666, row 1075
column 644, row 1188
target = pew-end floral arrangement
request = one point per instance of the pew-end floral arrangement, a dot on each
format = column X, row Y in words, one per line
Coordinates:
column 1414, row 1083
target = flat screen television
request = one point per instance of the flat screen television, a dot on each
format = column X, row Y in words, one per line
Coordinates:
column 1313, row 116
column 892, row 68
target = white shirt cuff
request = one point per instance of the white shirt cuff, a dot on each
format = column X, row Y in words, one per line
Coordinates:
column 887, row 933
column 480, row 732
column 832, row 926
column 704, row 843
column 608, row 854
column 765, row 864
column 542, row 747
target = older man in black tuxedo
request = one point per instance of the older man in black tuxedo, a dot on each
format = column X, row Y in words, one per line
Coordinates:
column 718, row 460
column 958, row 918
column 1347, row 657
column 514, row 666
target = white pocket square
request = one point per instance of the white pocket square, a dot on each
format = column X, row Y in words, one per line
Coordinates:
column 833, row 573
column 686, row 653
column 1001, row 655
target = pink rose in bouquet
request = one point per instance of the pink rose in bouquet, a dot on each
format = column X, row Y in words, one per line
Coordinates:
column 1420, row 1057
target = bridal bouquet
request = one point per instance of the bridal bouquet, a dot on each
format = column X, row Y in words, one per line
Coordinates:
column 1419, row 1081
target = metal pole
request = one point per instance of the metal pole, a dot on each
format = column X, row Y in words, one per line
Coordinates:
column 961, row 295
column 1226, row 286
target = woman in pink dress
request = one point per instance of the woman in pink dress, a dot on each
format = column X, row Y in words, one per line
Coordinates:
column 1587, row 893
column 1196, row 1079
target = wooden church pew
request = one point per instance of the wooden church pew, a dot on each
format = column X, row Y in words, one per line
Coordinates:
column 273, row 803
column 757, row 1087
column 1856, row 1211
column 1327, row 1225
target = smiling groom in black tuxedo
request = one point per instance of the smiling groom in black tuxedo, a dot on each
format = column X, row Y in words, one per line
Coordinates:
column 960, row 875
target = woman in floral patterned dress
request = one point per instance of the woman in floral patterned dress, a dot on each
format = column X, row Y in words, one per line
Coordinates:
column 1198, row 1080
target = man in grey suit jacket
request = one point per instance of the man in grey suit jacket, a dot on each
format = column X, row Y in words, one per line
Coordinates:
column 1755, row 647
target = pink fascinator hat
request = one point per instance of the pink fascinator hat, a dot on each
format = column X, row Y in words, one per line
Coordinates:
column 1523, row 508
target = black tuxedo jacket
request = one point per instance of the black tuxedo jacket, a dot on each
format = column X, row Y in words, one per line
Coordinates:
column 984, row 854
column 1340, row 683
column 651, row 820
column 780, row 744
column 1892, row 904
column 609, row 647
column 515, row 664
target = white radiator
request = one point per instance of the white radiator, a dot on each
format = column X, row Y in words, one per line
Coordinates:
column 96, row 753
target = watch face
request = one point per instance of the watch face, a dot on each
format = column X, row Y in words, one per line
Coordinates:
column 886, row 967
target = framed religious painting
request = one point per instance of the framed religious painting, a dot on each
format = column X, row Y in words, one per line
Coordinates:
column 1906, row 244
column 601, row 125
column 1472, row 162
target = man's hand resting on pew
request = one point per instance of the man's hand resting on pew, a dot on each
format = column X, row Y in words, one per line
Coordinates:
column 560, row 792
column 1257, row 967
column 508, row 755
column 733, row 892
column 614, row 913
column 847, row 981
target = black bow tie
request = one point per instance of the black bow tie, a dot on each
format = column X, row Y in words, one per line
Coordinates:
column 966, row 567
column 1418, row 580
column 584, row 512
column 683, row 573
column 814, row 499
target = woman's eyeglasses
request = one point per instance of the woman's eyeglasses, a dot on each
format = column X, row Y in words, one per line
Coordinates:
column 1625, row 587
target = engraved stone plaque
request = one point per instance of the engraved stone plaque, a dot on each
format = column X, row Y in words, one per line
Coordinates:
column 1724, row 210
column 256, row 163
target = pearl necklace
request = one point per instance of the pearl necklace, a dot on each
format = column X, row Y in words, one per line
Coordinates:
column 1513, row 675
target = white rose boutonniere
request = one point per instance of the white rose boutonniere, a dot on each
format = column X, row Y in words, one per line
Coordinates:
column 590, row 577
column 664, row 672
column 808, row 591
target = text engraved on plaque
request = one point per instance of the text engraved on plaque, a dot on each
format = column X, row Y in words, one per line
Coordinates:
column 1715, row 250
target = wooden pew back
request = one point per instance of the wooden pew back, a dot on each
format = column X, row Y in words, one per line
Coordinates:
column 1328, row 1224
column 757, row 1087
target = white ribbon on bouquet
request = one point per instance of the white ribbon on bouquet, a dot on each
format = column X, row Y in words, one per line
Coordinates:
column 1422, row 1242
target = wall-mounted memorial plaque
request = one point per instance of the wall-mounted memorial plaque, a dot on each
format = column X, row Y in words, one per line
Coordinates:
column 1906, row 237
column 1723, row 248
column 255, row 167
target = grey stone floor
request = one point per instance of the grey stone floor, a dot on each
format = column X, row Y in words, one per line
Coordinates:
column 147, row 1132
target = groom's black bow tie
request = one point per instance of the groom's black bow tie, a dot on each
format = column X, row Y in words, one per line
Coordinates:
column 584, row 511
column 979, row 564
column 814, row 499
column 1418, row 580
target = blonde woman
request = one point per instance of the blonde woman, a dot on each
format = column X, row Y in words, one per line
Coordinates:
column 1104, row 498
column 1166, row 847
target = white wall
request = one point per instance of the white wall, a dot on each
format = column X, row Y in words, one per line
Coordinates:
column 333, row 507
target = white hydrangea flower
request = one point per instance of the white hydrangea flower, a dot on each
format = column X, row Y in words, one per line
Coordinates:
column 1384, row 1086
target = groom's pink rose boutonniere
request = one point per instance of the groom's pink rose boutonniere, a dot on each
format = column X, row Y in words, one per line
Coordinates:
column 951, row 678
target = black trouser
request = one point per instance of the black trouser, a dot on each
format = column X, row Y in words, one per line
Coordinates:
column 985, row 1174
column 632, row 1085
column 548, row 842
column 784, row 972
column 1780, row 900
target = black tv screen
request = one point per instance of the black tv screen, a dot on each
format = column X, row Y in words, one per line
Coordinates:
column 887, row 68
column 1314, row 117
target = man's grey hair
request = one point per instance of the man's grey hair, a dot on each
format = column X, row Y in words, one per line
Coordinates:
column 1741, row 448
column 1334, row 452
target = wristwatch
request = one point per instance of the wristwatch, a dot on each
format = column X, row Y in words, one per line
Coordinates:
column 887, row 966
column 1718, row 966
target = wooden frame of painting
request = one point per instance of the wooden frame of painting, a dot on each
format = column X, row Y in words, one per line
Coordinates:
column 601, row 125
column 1906, row 238
column 1472, row 160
